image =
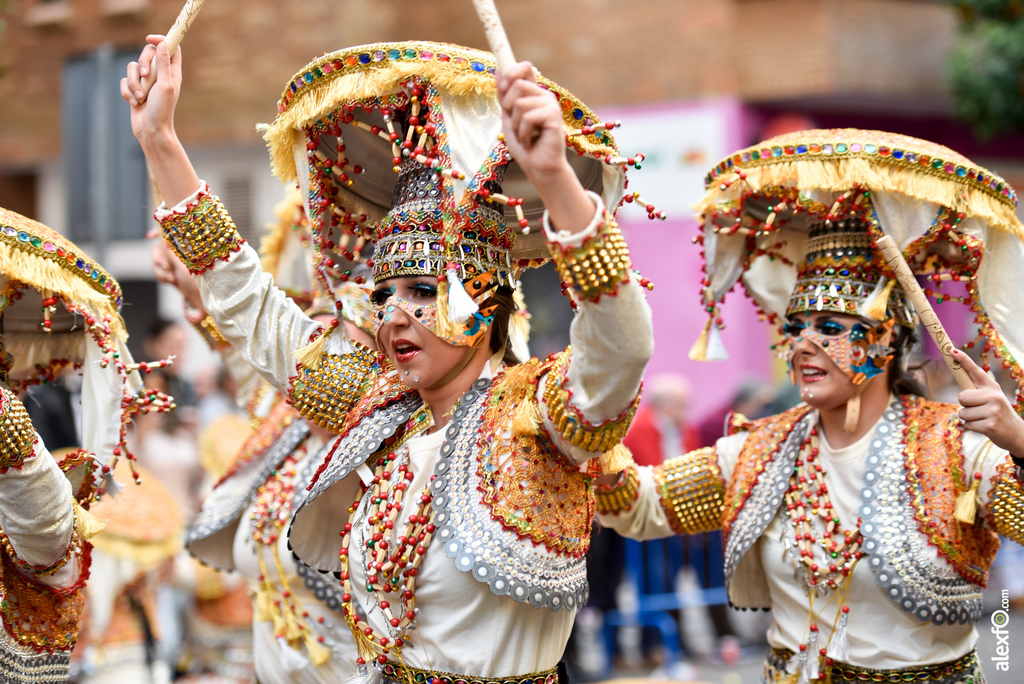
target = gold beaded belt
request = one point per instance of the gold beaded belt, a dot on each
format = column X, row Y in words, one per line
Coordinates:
column 414, row 675
column 962, row 670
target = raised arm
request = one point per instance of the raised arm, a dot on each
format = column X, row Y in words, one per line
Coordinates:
column 590, row 395
column 262, row 324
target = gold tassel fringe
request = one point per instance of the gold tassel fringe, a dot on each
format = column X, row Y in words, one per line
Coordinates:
column 526, row 417
column 86, row 524
column 877, row 304
column 272, row 243
column 264, row 604
column 318, row 653
column 310, row 355
column 445, row 327
column 837, row 175
column 616, row 459
column 699, row 350
column 966, row 504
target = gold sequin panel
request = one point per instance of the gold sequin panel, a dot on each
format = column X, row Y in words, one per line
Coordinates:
column 19, row 437
column 596, row 267
column 38, row 615
column 620, row 497
column 203, row 234
column 692, row 491
column 325, row 395
column 1006, row 502
column 568, row 420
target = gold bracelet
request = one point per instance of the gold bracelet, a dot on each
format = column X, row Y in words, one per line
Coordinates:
column 692, row 491
column 203, row 234
column 1006, row 502
column 620, row 497
column 208, row 329
column 568, row 420
column 596, row 267
column 19, row 437
column 325, row 395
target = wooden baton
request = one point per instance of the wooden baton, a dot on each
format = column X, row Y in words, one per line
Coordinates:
column 174, row 36
column 495, row 31
column 891, row 253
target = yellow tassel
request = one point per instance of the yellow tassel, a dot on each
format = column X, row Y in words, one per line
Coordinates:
column 310, row 355
column 264, row 604
column 292, row 632
column 277, row 615
column 966, row 504
column 699, row 350
column 526, row 417
column 616, row 459
column 318, row 653
column 877, row 304
column 86, row 524
column 445, row 328
column 790, row 678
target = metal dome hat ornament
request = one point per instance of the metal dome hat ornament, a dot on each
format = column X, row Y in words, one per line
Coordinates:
column 59, row 309
column 400, row 144
column 768, row 208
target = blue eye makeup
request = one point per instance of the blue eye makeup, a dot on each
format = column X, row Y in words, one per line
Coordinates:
column 828, row 327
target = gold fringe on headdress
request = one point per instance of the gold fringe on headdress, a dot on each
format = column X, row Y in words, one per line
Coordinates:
column 875, row 174
column 876, row 306
column 446, row 328
column 366, row 81
column 47, row 274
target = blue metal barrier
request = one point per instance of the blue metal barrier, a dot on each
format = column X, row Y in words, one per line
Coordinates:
column 651, row 567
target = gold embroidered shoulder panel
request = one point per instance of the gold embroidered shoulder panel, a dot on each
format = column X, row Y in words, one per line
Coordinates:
column 935, row 477
column 1006, row 502
column 529, row 486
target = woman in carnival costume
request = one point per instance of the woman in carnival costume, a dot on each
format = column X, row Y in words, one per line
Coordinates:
column 867, row 517
column 299, row 632
column 58, row 310
column 463, row 475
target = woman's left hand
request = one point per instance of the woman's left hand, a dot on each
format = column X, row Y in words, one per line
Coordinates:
column 988, row 411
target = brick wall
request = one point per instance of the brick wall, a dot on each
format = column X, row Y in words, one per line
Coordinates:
column 241, row 52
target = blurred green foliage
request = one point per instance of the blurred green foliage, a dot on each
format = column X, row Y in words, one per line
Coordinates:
column 987, row 66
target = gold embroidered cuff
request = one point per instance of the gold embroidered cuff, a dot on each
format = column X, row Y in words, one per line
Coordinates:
column 326, row 394
column 208, row 329
column 568, row 420
column 1006, row 502
column 598, row 266
column 692, row 491
column 18, row 438
column 34, row 570
column 40, row 616
column 203, row 234
column 618, row 498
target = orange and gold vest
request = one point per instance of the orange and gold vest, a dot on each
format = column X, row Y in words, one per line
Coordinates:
column 915, row 472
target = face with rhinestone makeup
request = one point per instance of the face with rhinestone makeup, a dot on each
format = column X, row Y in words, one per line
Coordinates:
column 404, row 309
column 821, row 381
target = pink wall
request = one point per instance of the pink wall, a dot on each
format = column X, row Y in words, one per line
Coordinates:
column 663, row 251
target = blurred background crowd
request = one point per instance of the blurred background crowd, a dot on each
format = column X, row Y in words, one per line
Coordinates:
column 691, row 81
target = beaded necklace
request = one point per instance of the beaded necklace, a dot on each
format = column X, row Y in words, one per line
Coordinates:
column 391, row 562
column 806, row 498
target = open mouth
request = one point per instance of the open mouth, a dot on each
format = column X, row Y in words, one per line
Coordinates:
column 405, row 350
column 812, row 373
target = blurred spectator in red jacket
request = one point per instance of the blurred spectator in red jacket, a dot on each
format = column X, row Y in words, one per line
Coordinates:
column 660, row 429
